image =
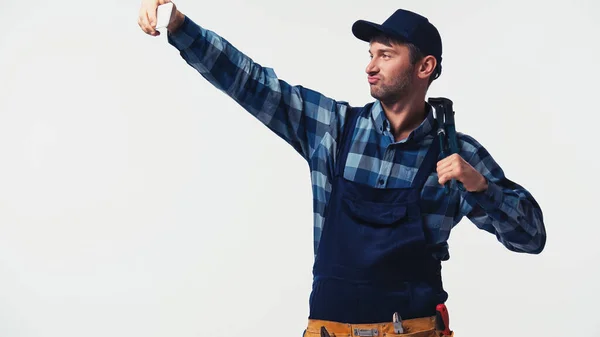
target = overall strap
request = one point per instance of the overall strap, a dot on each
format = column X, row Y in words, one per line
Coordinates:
column 428, row 164
column 345, row 141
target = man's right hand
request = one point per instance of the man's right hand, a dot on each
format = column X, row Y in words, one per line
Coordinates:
column 147, row 17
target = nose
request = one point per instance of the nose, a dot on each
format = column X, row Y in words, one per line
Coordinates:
column 372, row 68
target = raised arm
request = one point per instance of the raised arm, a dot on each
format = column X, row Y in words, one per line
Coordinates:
column 301, row 116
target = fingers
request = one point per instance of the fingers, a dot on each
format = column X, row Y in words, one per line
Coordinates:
column 147, row 16
column 143, row 21
column 151, row 12
column 443, row 179
column 448, row 170
column 444, row 164
column 449, row 160
column 445, row 176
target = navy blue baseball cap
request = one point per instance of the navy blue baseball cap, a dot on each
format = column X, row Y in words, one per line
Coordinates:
column 406, row 26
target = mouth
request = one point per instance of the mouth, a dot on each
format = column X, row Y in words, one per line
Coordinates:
column 373, row 80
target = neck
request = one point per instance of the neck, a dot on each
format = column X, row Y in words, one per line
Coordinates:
column 405, row 115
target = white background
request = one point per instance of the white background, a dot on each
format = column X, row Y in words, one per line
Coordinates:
column 137, row 200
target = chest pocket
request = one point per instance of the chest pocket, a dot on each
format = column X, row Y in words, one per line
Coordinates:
column 376, row 214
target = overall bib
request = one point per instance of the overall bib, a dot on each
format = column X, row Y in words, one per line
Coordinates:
column 373, row 258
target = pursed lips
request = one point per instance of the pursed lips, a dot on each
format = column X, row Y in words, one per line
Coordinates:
column 373, row 79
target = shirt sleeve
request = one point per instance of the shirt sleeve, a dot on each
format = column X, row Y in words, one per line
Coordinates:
column 505, row 209
column 301, row 116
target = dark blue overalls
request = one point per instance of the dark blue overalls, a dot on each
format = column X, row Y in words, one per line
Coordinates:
column 373, row 258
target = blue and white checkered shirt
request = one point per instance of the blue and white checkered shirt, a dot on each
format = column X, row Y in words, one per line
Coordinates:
column 312, row 124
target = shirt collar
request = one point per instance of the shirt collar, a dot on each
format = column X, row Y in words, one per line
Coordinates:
column 382, row 124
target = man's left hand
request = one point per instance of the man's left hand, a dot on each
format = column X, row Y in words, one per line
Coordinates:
column 455, row 167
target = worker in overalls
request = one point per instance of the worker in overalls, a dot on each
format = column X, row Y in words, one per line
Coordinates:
column 385, row 194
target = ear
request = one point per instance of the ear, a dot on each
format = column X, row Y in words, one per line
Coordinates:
column 426, row 67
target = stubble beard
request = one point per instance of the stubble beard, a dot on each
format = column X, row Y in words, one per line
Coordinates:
column 396, row 91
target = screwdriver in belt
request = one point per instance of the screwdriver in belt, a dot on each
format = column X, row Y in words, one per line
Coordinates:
column 397, row 323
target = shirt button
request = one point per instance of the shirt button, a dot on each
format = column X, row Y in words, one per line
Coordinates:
column 381, row 181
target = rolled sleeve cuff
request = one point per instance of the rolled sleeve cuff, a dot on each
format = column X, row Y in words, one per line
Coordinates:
column 185, row 35
column 489, row 199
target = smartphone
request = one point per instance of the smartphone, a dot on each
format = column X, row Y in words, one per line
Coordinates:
column 163, row 15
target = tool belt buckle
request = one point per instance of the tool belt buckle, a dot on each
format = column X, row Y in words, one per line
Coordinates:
column 366, row 332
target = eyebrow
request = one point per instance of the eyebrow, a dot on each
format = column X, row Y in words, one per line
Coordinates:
column 383, row 50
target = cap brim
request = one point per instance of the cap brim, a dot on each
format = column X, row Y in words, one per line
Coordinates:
column 365, row 30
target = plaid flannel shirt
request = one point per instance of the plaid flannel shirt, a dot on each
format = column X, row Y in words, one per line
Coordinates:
column 312, row 124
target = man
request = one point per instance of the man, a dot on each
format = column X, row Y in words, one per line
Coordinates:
column 381, row 214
